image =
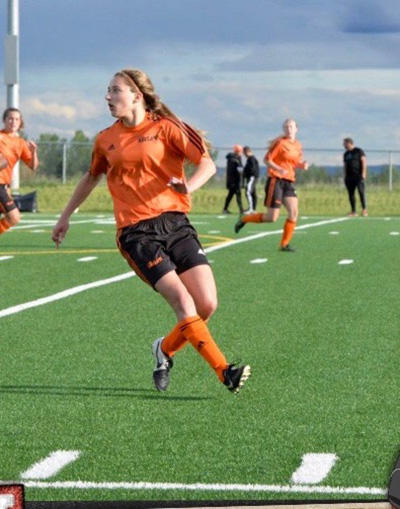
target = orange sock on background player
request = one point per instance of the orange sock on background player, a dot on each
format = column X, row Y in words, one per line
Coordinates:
column 288, row 230
column 4, row 225
column 257, row 217
column 195, row 330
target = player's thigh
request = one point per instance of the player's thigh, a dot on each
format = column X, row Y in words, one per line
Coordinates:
column 200, row 283
column 172, row 288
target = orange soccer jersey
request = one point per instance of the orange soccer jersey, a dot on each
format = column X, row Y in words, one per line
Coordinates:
column 13, row 148
column 286, row 153
column 140, row 161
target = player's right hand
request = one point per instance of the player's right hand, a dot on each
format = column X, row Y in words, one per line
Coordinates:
column 59, row 232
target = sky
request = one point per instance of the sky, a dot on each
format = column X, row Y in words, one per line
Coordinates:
column 233, row 68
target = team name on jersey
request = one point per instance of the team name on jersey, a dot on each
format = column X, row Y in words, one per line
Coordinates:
column 142, row 139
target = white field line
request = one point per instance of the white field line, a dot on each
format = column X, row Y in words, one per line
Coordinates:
column 41, row 223
column 78, row 289
column 62, row 295
column 314, row 468
column 272, row 232
column 51, row 465
column 271, row 488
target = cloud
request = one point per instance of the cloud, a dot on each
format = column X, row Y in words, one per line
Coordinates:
column 36, row 106
column 79, row 108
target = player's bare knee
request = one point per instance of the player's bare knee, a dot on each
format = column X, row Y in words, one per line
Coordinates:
column 207, row 308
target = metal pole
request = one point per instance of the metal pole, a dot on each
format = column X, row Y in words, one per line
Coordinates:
column 11, row 67
column 64, row 163
column 390, row 172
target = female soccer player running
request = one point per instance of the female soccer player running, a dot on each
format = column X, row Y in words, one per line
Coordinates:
column 142, row 155
column 283, row 157
column 12, row 149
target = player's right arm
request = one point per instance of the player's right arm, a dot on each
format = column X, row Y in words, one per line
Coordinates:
column 82, row 191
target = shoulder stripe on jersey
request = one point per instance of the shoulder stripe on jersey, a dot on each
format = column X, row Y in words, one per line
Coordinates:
column 194, row 138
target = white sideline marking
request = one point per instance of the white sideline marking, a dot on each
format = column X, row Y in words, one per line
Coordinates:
column 345, row 262
column 259, row 260
column 87, row 259
column 272, row 232
column 273, row 488
column 214, row 231
column 62, row 295
column 314, row 468
column 5, row 258
column 77, row 289
column 50, row 466
column 38, row 231
column 97, row 231
column 394, row 233
column 333, row 233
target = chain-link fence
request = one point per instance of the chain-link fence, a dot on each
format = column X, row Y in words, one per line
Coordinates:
column 64, row 161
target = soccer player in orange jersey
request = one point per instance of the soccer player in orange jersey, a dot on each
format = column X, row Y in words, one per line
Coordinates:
column 142, row 155
column 282, row 159
column 12, row 149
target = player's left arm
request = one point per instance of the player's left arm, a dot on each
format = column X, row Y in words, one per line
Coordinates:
column 34, row 155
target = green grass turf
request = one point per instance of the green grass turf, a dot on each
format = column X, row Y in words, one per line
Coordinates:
column 322, row 340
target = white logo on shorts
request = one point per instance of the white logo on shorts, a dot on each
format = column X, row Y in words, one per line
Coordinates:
column 200, row 251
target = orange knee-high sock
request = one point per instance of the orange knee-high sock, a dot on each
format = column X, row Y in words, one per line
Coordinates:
column 257, row 217
column 288, row 230
column 174, row 341
column 195, row 330
column 4, row 225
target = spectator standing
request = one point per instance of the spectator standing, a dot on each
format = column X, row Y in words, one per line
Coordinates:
column 355, row 174
column 251, row 172
column 233, row 178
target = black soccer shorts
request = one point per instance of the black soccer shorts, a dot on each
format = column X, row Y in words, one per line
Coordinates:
column 154, row 247
column 276, row 190
column 7, row 204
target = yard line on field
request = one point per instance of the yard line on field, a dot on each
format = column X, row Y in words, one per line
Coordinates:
column 273, row 232
column 51, row 465
column 49, row 223
column 63, row 294
column 314, row 468
column 271, row 488
column 78, row 289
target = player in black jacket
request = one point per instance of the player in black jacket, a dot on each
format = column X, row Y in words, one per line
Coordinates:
column 355, row 173
column 251, row 172
column 234, row 177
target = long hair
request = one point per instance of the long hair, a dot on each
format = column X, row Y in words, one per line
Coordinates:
column 12, row 110
column 139, row 80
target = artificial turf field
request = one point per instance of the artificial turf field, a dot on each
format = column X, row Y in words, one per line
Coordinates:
column 322, row 339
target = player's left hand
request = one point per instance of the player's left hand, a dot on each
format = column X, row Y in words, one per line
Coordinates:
column 305, row 165
column 178, row 185
column 32, row 146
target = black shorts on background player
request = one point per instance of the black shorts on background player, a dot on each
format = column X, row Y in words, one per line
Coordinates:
column 276, row 190
column 7, row 204
column 156, row 246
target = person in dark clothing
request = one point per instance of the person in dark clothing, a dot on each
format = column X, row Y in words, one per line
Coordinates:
column 233, row 178
column 355, row 173
column 251, row 172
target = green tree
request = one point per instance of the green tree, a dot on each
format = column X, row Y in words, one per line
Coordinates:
column 79, row 154
column 50, row 152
